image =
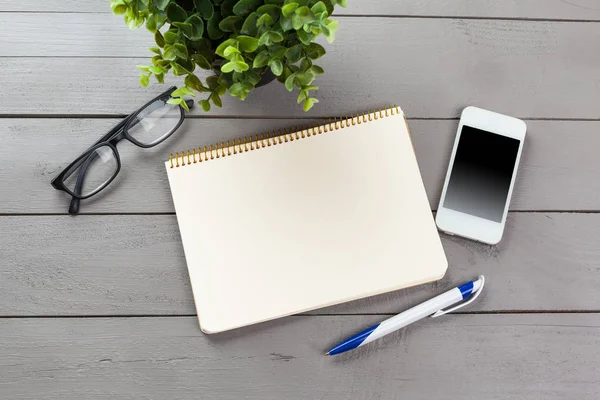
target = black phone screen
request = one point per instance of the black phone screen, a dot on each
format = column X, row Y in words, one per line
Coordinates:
column 482, row 172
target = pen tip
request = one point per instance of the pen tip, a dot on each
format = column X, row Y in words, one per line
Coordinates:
column 327, row 353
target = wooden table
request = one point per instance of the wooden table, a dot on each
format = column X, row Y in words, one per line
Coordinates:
column 99, row 306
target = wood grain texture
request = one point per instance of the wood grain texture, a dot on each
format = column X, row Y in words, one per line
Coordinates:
column 467, row 357
column 433, row 67
column 134, row 265
column 558, row 171
column 550, row 9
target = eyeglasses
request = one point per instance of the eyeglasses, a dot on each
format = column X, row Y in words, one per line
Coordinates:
column 98, row 166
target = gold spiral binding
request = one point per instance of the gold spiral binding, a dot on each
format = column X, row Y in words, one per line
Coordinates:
column 274, row 138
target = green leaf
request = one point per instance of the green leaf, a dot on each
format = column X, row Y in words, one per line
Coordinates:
column 175, row 13
column 305, row 64
column 160, row 78
column 247, row 86
column 231, row 23
column 186, row 63
column 174, row 100
column 237, row 66
column 212, row 82
column 294, row 53
column 277, row 51
column 276, row 66
column 302, row 95
column 270, row 37
column 271, row 10
column 261, row 59
column 197, row 27
column 245, row 7
column 156, row 70
column 264, row 19
column 178, row 69
column 159, row 39
column 205, row 104
column 201, row 61
column 286, row 23
column 205, row 8
column 182, row 91
column 230, row 51
column 213, row 26
column 155, row 50
column 332, row 26
column 341, row 3
column 237, row 90
column 184, row 105
column 305, row 37
column 179, row 101
column 172, row 36
column 118, row 7
column 305, row 78
column 309, row 103
column 289, row 82
column 228, row 67
column 315, row 69
column 216, row 100
column 252, row 77
column 321, row 16
column 144, row 80
column 154, row 22
column 203, row 47
column 169, row 54
column 180, row 50
column 319, row 8
column 250, row 27
column 247, row 44
column 314, row 51
column 227, row 7
column 302, row 16
column 160, row 4
column 288, row 9
column 221, row 48
column 192, row 81
column 184, row 27
column 144, row 68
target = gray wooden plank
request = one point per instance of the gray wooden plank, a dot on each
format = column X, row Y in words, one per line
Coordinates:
column 134, row 265
column 552, row 9
column 529, row 357
column 434, row 67
column 558, row 171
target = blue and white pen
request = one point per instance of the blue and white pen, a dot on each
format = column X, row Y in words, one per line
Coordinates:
column 434, row 308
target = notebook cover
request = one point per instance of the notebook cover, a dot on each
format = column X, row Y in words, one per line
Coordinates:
column 289, row 227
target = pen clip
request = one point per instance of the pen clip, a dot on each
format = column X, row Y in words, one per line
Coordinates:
column 472, row 299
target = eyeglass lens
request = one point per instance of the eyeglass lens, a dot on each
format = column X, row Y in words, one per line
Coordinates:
column 155, row 122
column 93, row 172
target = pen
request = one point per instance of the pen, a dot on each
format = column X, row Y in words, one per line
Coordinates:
column 434, row 308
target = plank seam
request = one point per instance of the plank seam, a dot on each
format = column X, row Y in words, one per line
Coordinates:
column 493, row 312
column 171, row 213
column 387, row 16
column 253, row 117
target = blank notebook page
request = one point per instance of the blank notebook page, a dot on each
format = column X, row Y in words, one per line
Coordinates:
column 305, row 224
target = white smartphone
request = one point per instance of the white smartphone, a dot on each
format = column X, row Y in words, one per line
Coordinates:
column 481, row 175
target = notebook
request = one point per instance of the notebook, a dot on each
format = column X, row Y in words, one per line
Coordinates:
column 290, row 221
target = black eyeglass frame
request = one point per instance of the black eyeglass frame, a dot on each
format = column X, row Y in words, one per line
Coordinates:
column 110, row 139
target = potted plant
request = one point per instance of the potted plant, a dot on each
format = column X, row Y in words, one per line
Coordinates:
column 246, row 43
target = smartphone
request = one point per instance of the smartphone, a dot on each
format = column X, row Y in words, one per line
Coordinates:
column 481, row 175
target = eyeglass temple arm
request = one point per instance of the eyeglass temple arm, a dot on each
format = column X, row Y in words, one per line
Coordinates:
column 74, row 206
